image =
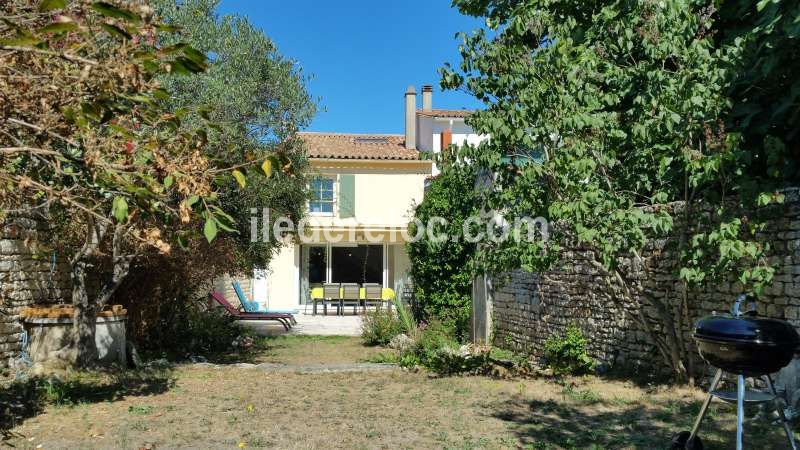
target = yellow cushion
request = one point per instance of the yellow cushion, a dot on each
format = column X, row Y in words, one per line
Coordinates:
column 386, row 293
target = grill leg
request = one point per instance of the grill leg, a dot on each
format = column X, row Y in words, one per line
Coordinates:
column 740, row 412
column 704, row 408
column 779, row 405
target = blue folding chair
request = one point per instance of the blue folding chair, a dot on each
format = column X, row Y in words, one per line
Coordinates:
column 253, row 306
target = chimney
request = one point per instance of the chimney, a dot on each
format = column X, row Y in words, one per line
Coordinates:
column 411, row 118
column 427, row 97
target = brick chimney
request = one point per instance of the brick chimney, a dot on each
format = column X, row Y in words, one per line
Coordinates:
column 427, row 97
column 411, row 118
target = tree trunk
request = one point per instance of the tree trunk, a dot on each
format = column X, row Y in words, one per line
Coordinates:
column 84, row 320
column 666, row 341
column 84, row 350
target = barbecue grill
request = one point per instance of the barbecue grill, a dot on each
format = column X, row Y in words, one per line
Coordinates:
column 743, row 344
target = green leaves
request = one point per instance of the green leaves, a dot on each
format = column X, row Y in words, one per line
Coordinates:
column 210, row 229
column 115, row 12
column 119, row 209
column 58, row 27
column 49, row 5
column 115, row 31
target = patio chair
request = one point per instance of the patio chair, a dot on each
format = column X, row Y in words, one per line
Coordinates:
column 351, row 294
column 330, row 293
column 373, row 293
column 251, row 306
column 283, row 319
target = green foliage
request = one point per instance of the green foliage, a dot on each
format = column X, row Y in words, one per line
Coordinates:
column 405, row 317
column 436, row 348
column 378, row 327
column 258, row 99
column 566, row 355
column 633, row 105
column 98, row 151
column 196, row 331
column 442, row 269
column 765, row 88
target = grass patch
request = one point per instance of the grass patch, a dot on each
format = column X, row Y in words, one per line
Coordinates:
column 203, row 407
column 140, row 410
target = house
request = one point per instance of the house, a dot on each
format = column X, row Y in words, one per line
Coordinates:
column 364, row 188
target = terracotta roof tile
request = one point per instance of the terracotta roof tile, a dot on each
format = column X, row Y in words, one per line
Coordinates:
column 450, row 113
column 357, row 146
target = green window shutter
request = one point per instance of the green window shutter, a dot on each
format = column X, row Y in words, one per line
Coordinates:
column 347, row 196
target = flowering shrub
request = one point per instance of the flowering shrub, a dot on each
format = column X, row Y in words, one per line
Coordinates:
column 380, row 326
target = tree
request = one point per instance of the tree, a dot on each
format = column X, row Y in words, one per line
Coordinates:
column 441, row 269
column 631, row 105
column 259, row 100
column 86, row 139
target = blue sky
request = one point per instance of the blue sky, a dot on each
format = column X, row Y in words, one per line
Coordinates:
column 363, row 54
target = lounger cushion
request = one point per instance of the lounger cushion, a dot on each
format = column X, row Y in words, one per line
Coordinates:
column 250, row 307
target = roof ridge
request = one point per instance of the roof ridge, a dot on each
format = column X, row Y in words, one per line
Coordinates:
column 336, row 133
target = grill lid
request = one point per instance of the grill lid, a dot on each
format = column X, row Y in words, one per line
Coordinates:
column 746, row 329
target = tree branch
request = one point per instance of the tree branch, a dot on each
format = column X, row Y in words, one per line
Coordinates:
column 67, row 56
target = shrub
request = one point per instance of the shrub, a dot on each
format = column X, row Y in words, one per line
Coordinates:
column 566, row 355
column 437, row 349
column 167, row 302
column 442, row 271
column 380, row 326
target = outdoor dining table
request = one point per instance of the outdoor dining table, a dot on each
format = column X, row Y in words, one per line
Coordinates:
column 387, row 295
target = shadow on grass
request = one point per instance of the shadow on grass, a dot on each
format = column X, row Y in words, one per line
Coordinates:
column 582, row 419
column 23, row 399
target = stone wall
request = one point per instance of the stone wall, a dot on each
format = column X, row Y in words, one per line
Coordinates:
column 24, row 279
column 529, row 308
column 224, row 285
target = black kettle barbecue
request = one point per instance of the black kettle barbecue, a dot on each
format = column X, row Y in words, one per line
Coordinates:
column 743, row 344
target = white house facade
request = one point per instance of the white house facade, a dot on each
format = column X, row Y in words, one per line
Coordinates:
column 364, row 188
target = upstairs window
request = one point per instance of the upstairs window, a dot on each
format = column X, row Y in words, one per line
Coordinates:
column 322, row 195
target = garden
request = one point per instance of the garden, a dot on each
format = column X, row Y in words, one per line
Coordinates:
column 136, row 137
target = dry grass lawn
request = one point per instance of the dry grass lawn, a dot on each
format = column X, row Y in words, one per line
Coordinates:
column 227, row 407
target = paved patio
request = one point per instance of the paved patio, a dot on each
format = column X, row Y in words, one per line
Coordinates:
column 308, row 324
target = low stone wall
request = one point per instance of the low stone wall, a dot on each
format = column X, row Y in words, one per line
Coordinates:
column 24, row 279
column 529, row 308
column 51, row 342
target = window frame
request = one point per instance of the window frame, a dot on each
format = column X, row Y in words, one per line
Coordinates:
column 334, row 196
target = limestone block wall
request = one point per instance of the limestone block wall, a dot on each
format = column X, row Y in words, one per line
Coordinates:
column 224, row 286
column 24, row 278
column 528, row 308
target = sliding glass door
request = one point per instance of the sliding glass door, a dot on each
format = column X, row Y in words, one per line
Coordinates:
column 357, row 264
column 313, row 270
column 341, row 263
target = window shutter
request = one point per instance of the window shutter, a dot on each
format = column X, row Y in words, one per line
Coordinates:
column 347, row 195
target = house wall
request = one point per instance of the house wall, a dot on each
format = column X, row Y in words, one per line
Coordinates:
column 24, row 276
column 429, row 135
column 530, row 308
column 282, row 279
column 224, row 285
column 385, row 192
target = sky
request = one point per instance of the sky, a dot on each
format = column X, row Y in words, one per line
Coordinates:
column 363, row 54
